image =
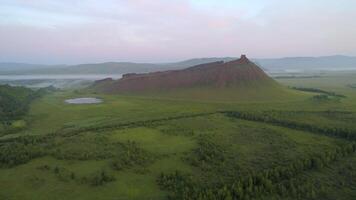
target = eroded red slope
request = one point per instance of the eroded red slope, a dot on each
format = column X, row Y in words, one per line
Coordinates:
column 218, row 74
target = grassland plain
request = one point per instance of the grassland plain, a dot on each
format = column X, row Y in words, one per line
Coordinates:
column 68, row 151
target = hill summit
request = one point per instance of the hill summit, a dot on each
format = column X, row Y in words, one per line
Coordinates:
column 237, row 76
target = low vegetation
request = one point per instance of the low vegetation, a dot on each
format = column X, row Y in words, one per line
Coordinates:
column 14, row 104
column 281, row 182
column 130, row 156
column 345, row 133
column 315, row 90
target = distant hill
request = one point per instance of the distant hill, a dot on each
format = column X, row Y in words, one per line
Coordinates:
column 20, row 66
column 106, row 68
column 237, row 79
column 198, row 61
column 291, row 64
column 25, row 68
column 333, row 63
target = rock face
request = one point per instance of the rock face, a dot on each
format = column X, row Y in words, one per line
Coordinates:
column 235, row 73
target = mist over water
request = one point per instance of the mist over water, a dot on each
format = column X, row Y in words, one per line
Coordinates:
column 60, row 77
column 84, row 100
column 59, row 81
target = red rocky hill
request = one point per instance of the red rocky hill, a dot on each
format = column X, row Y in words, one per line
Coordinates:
column 241, row 72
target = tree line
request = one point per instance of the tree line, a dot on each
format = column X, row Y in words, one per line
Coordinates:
column 14, row 104
column 131, row 155
column 143, row 123
column 17, row 151
column 207, row 154
column 315, row 90
column 15, row 101
column 344, row 133
column 280, row 182
column 97, row 178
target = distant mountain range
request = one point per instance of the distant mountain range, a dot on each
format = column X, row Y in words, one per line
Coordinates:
column 271, row 65
column 9, row 66
column 333, row 63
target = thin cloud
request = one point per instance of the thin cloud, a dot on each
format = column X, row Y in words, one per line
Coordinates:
column 66, row 31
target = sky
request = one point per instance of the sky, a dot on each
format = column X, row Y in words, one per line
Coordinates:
column 85, row 31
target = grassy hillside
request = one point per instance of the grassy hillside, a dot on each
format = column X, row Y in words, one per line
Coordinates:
column 14, row 104
column 251, row 93
column 14, row 101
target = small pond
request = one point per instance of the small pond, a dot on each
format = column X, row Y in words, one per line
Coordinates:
column 86, row 100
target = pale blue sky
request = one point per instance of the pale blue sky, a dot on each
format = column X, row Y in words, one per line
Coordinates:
column 80, row 31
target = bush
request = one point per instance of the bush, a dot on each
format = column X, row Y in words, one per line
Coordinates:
column 131, row 155
column 98, row 178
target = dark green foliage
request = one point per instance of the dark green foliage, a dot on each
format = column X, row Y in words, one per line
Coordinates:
column 14, row 104
column 207, row 154
column 63, row 174
column 98, row 178
column 178, row 131
column 44, row 167
column 321, row 97
column 281, row 182
column 277, row 183
column 335, row 132
column 144, row 123
column 178, row 183
column 80, row 147
column 27, row 140
column 15, row 154
column 14, row 101
column 131, row 155
column 315, row 90
column 21, row 150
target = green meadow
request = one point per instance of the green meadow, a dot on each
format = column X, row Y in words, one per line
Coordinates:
column 149, row 147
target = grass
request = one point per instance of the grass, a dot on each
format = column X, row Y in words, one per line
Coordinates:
column 148, row 139
column 258, row 92
column 36, row 184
